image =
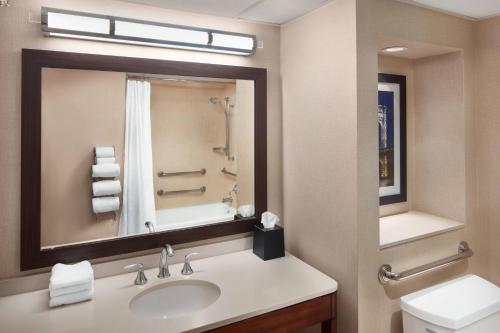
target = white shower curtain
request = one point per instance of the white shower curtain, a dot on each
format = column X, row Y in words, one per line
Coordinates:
column 138, row 190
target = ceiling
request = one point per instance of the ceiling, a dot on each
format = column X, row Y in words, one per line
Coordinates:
column 269, row 11
column 473, row 9
column 416, row 50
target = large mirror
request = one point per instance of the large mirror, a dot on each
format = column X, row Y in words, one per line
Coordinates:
column 139, row 154
column 132, row 153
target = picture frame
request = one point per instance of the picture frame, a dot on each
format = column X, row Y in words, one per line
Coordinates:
column 392, row 138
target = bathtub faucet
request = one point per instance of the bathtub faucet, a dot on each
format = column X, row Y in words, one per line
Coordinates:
column 228, row 200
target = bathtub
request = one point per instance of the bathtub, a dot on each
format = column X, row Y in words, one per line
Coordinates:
column 193, row 216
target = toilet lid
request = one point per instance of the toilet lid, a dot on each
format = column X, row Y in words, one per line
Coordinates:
column 454, row 304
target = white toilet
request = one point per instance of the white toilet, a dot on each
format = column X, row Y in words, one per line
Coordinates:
column 468, row 304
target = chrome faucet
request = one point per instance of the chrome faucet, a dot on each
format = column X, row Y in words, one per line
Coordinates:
column 187, row 270
column 166, row 252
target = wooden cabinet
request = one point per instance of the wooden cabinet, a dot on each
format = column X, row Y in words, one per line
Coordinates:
column 290, row 319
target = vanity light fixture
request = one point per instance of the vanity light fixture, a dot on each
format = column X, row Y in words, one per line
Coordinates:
column 72, row 24
column 394, row 49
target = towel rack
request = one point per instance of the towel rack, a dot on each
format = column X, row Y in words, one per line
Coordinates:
column 228, row 172
column 181, row 173
column 163, row 192
column 385, row 273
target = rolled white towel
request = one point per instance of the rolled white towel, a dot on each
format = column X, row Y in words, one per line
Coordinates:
column 55, row 292
column 105, row 170
column 72, row 298
column 105, row 160
column 105, row 204
column 104, row 151
column 106, row 187
column 64, row 276
column 246, row 210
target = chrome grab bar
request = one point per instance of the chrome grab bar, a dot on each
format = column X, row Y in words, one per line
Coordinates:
column 385, row 273
column 228, row 172
column 163, row 192
column 181, row 173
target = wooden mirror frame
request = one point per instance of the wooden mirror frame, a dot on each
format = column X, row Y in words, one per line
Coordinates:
column 33, row 61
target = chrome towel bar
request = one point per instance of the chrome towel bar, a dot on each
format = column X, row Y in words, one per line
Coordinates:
column 201, row 189
column 228, row 172
column 385, row 273
column 181, row 173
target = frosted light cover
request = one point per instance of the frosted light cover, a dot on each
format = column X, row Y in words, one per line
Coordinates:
column 78, row 23
column 232, row 41
column 148, row 31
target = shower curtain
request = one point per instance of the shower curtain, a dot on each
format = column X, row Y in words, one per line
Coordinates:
column 138, row 190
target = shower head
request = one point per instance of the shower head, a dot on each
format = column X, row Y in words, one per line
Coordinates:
column 213, row 100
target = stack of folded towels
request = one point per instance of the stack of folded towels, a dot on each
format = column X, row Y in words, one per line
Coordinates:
column 71, row 283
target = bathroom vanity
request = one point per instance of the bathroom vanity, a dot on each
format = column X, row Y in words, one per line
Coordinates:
column 281, row 295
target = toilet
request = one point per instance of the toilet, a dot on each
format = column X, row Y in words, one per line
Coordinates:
column 468, row 304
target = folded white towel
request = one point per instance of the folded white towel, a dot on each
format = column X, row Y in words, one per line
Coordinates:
column 55, row 292
column 104, row 151
column 71, row 298
column 106, row 187
column 106, row 170
column 64, row 276
column 105, row 204
column 269, row 220
column 105, row 160
column 246, row 210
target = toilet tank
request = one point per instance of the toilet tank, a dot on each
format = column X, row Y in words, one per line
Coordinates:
column 468, row 304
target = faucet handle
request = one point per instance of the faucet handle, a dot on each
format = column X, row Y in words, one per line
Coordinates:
column 141, row 277
column 187, row 270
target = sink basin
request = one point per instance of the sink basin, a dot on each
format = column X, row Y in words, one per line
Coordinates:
column 175, row 299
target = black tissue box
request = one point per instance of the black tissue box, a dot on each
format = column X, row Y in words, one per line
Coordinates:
column 268, row 243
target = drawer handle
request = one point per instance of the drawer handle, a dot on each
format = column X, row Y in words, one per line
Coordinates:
column 430, row 331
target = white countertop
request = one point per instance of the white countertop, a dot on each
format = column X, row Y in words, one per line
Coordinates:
column 249, row 287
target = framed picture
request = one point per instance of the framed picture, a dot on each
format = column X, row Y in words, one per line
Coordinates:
column 392, row 138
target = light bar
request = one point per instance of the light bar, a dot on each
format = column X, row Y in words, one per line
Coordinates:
column 71, row 24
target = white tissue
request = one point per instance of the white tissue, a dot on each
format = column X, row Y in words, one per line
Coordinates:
column 104, row 151
column 105, row 160
column 246, row 210
column 105, row 170
column 105, row 204
column 106, row 187
column 269, row 220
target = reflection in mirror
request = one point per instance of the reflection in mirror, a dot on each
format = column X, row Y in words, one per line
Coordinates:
column 130, row 153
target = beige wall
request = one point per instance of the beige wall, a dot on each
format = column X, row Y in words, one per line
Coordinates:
column 80, row 110
column 403, row 21
column 439, row 161
column 429, row 125
column 243, row 137
column 329, row 225
column 318, row 66
column 17, row 32
column 185, row 127
column 488, row 141
column 435, row 133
